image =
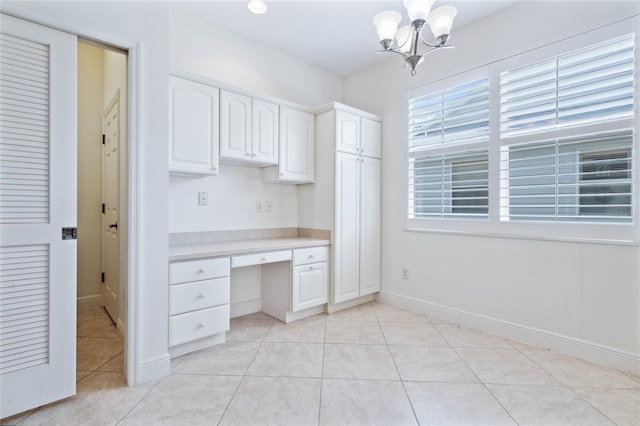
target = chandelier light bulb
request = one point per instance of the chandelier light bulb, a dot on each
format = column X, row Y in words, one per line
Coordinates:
column 418, row 9
column 387, row 24
column 441, row 19
column 257, row 6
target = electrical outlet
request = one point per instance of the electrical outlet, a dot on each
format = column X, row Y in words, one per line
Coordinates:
column 268, row 206
column 259, row 206
column 405, row 274
column 203, row 198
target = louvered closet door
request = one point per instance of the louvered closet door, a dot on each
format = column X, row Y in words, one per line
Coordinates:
column 37, row 199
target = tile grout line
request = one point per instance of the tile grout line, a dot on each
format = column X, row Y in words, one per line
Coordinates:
column 477, row 377
column 244, row 374
column 324, row 342
column 404, row 388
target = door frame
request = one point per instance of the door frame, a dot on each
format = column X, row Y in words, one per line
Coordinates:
column 134, row 57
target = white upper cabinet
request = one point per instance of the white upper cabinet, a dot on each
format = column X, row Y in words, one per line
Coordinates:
column 235, row 126
column 347, row 132
column 358, row 135
column 264, row 147
column 248, row 130
column 370, row 138
column 193, row 127
column 296, row 153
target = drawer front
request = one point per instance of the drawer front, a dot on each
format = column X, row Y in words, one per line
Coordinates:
column 310, row 286
column 310, row 255
column 198, row 295
column 196, row 325
column 198, row 270
column 260, row 258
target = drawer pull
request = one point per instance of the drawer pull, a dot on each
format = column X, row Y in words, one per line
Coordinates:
column 263, row 259
column 202, row 270
column 201, row 296
column 310, row 256
column 202, row 325
column 311, row 268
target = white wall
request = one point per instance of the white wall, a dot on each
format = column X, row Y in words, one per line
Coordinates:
column 584, row 292
column 202, row 48
column 115, row 79
column 145, row 24
column 90, row 89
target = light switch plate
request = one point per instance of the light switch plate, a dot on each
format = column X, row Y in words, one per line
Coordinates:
column 268, row 206
column 203, row 198
column 259, row 206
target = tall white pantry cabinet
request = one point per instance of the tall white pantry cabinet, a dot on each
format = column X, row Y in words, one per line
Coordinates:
column 346, row 197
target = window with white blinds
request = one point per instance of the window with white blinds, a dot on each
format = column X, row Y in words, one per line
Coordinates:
column 583, row 86
column 544, row 145
column 450, row 185
column 448, row 171
column 585, row 179
column 455, row 115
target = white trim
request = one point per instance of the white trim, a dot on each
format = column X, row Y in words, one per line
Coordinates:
column 590, row 351
column 336, row 307
column 152, row 368
column 134, row 373
column 197, row 345
column 89, row 299
column 224, row 86
column 245, row 308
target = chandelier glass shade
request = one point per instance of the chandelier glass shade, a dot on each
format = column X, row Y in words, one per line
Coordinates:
column 406, row 40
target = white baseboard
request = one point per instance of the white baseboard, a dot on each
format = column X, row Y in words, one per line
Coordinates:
column 197, row 345
column 590, row 351
column 245, row 308
column 154, row 368
column 295, row 316
column 96, row 298
column 335, row 307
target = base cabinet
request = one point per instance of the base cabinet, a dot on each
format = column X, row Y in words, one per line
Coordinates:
column 199, row 293
column 309, row 286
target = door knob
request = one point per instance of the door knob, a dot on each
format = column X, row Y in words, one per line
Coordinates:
column 113, row 225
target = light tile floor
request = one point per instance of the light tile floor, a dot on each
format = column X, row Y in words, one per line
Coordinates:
column 372, row 364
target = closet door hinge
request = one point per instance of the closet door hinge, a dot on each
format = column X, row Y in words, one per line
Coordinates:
column 103, row 208
column 103, row 139
column 102, row 279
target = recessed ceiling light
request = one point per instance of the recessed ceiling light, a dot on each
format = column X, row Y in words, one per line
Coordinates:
column 257, row 6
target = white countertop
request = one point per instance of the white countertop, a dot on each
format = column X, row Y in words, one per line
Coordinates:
column 230, row 248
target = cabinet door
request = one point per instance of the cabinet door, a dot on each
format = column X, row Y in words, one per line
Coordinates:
column 370, row 181
column 264, row 133
column 347, row 228
column 371, row 138
column 193, row 144
column 235, row 126
column 297, row 146
column 310, row 285
column 347, row 132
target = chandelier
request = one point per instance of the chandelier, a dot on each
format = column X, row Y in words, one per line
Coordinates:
column 406, row 40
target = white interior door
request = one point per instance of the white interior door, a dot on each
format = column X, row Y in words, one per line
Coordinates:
column 110, row 216
column 38, row 197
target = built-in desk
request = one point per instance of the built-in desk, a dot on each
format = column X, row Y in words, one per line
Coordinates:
column 294, row 284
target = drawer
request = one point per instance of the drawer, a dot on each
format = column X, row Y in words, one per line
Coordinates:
column 260, row 258
column 198, row 270
column 198, row 295
column 310, row 255
column 196, row 325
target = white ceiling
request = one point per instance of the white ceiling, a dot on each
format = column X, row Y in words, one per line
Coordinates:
column 337, row 36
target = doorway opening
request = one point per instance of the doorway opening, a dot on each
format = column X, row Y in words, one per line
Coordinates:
column 102, row 208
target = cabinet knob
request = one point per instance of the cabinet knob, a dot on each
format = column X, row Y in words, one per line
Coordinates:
column 202, row 270
column 310, row 256
column 247, row 154
column 263, row 259
column 311, row 268
column 253, row 155
column 202, row 325
column 201, row 296
column 281, row 174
